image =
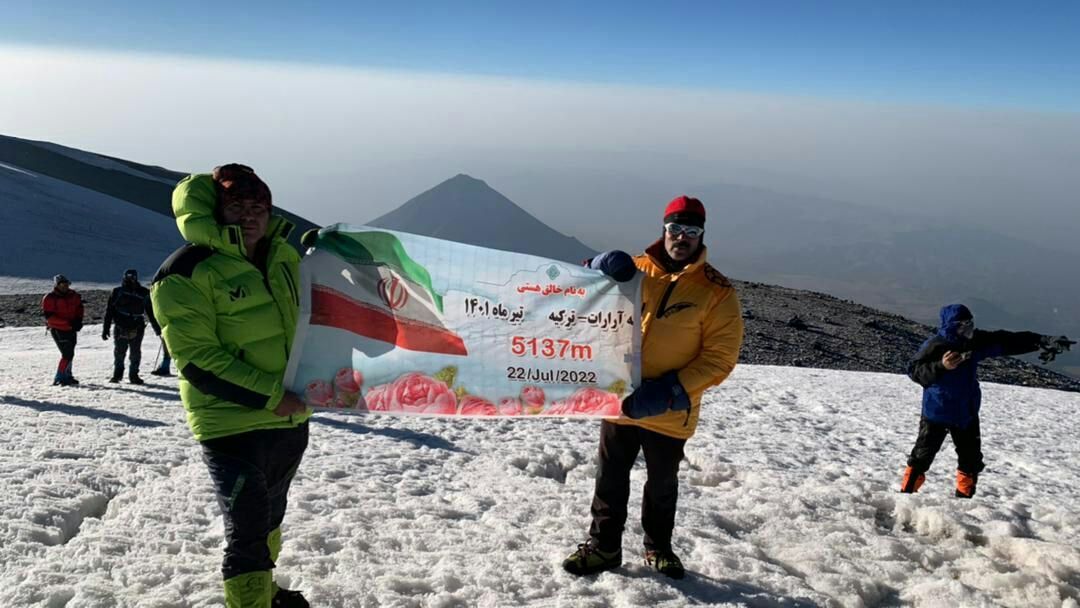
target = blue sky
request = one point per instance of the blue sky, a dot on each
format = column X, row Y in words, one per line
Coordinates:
column 1024, row 55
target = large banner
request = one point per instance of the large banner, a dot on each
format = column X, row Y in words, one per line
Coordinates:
column 399, row 323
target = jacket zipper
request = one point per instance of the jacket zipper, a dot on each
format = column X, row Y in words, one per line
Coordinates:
column 660, row 312
column 292, row 285
column 265, row 271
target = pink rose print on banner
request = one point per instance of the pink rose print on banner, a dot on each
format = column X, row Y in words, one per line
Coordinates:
column 557, row 408
column 416, row 393
column 533, row 399
column 471, row 405
column 376, row 398
column 347, row 384
column 510, row 407
column 592, row 401
column 319, row 394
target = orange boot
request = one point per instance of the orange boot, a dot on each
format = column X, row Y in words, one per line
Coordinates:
column 965, row 484
column 911, row 483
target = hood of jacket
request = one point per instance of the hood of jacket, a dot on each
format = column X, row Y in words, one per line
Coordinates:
column 194, row 202
column 950, row 318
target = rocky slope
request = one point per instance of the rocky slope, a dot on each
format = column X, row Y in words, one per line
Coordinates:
column 784, row 326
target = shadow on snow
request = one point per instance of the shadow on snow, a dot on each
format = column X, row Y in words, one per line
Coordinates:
column 418, row 439
column 706, row 590
column 77, row 410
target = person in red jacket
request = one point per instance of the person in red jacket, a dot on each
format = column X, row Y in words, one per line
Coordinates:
column 63, row 311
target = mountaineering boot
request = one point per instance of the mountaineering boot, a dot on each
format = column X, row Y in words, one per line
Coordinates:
column 285, row 598
column 911, row 482
column 135, row 379
column 117, row 375
column 588, row 559
column 666, row 563
column 249, row 590
column 965, row 484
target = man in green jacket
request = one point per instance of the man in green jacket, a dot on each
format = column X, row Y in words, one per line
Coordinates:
column 227, row 303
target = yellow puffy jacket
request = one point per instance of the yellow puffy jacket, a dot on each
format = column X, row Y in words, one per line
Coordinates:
column 690, row 322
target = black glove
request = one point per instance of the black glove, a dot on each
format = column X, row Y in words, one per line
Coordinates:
column 105, row 333
column 616, row 264
column 1052, row 346
column 655, row 397
column 77, row 325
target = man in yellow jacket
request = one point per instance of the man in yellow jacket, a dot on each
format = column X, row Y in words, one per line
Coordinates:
column 692, row 329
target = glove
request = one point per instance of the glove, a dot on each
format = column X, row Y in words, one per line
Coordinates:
column 105, row 333
column 1052, row 346
column 616, row 264
column 77, row 326
column 655, row 397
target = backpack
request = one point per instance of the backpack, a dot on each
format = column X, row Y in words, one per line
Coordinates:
column 129, row 307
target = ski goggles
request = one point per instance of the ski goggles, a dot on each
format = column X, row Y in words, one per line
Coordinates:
column 965, row 325
column 690, row 232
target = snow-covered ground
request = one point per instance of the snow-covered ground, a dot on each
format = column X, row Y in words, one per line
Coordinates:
column 49, row 226
column 102, row 162
column 788, row 498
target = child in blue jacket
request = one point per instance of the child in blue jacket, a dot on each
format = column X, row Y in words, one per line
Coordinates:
column 947, row 368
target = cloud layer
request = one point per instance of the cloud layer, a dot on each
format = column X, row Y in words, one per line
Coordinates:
column 349, row 144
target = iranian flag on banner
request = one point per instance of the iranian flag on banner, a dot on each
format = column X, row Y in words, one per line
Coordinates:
column 368, row 285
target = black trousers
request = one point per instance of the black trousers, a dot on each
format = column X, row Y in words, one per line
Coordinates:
column 619, row 447
column 252, row 473
column 124, row 339
column 967, row 441
column 65, row 341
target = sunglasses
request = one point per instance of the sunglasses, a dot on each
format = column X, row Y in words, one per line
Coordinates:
column 253, row 207
column 691, row 232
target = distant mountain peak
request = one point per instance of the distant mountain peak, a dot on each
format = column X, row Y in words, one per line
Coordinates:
column 467, row 210
column 463, row 182
column 465, row 178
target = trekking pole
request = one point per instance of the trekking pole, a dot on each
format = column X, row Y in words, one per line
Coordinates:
column 157, row 359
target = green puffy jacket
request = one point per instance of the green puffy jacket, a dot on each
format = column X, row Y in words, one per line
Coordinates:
column 228, row 323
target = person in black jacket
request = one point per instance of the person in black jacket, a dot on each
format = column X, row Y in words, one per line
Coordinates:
column 129, row 308
column 946, row 366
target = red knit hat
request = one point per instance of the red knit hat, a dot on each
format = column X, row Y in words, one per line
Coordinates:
column 685, row 210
